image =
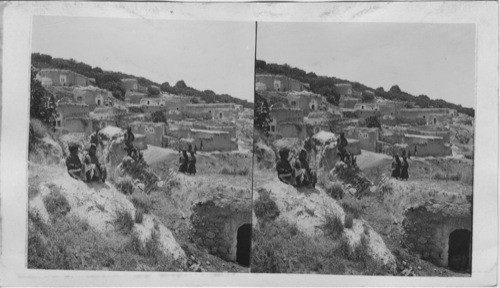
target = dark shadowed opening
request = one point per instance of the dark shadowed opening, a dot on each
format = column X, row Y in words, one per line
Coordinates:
column 459, row 246
column 244, row 240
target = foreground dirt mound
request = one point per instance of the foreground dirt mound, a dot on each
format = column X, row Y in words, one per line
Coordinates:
column 100, row 205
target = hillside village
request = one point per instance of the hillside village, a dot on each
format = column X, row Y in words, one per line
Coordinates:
column 147, row 215
column 358, row 219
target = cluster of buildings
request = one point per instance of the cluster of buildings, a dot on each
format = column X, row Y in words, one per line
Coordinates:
column 418, row 131
column 208, row 126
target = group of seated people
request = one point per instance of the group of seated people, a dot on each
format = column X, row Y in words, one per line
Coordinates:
column 188, row 163
column 90, row 170
column 299, row 174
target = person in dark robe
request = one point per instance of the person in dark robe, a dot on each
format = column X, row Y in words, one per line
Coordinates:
column 404, row 169
column 283, row 167
column 128, row 140
column 308, row 176
column 191, row 170
column 94, row 171
column 396, row 167
column 94, row 138
column 184, row 160
column 341, row 146
column 73, row 163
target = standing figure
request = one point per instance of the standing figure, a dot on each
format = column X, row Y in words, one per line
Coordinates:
column 341, row 146
column 73, row 163
column 201, row 145
column 184, row 162
column 283, row 167
column 94, row 171
column 396, row 167
column 129, row 139
column 94, row 138
column 404, row 169
column 191, row 164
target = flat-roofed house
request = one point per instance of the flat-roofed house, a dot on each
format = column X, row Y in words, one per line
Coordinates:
column 63, row 77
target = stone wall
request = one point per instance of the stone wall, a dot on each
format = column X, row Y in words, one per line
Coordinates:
column 153, row 132
column 215, row 223
column 267, row 82
column 427, row 233
column 368, row 137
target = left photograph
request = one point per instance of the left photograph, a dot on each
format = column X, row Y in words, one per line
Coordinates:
column 140, row 145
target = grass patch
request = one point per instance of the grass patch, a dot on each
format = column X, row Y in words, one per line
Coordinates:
column 123, row 221
column 55, row 203
column 143, row 202
column 236, row 171
column 125, row 185
column 334, row 190
column 332, row 226
column 352, row 206
column 264, row 207
column 447, row 176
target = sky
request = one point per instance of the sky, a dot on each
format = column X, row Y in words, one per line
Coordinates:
column 437, row 60
column 218, row 56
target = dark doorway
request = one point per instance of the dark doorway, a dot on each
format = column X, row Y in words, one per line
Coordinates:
column 459, row 250
column 243, row 244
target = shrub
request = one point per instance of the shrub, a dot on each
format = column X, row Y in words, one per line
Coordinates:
column 264, row 207
column 125, row 185
column 55, row 203
column 334, row 190
column 447, row 176
column 332, row 226
column 143, row 202
column 138, row 215
column 349, row 219
column 352, row 206
column 236, row 171
column 123, row 221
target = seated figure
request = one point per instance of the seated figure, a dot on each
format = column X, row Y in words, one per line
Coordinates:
column 73, row 163
column 94, row 171
column 283, row 167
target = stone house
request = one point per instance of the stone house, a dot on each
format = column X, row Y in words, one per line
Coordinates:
column 231, row 129
column 152, row 101
column 432, row 116
column 269, row 82
column 62, row 77
column 307, row 101
column 212, row 140
column 218, row 111
column 348, row 102
column 92, row 96
column 289, row 122
column 154, row 132
column 344, row 89
column 425, row 145
column 368, row 137
column 131, row 84
column 73, row 117
column 175, row 102
column 134, row 98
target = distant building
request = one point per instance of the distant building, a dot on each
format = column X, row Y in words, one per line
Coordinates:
column 269, row 82
column 307, row 101
column 368, row 137
column 92, row 96
column 62, row 77
column 132, row 97
column 432, row 116
column 154, row 132
column 347, row 102
column 288, row 122
column 73, row 117
column 131, row 84
column 218, row 111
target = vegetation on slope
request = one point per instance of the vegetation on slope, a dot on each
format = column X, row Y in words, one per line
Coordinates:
column 326, row 86
column 110, row 80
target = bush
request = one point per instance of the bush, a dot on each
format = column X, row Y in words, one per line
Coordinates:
column 125, row 185
column 236, row 171
column 334, row 190
column 55, row 203
column 352, row 206
column 265, row 208
column 123, row 221
column 447, row 176
column 332, row 226
column 349, row 220
column 143, row 202
column 139, row 213
column 158, row 116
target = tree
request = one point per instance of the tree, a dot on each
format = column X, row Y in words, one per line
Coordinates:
column 195, row 100
column 165, row 86
column 42, row 103
column 158, row 116
column 180, row 84
column 395, row 89
column 153, row 90
column 367, row 96
column 372, row 122
column 260, row 64
column 261, row 115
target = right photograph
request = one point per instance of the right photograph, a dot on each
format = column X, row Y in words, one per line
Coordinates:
column 364, row 149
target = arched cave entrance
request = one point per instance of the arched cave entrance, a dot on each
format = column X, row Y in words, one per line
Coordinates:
column 244, row 241
column 459, row 250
